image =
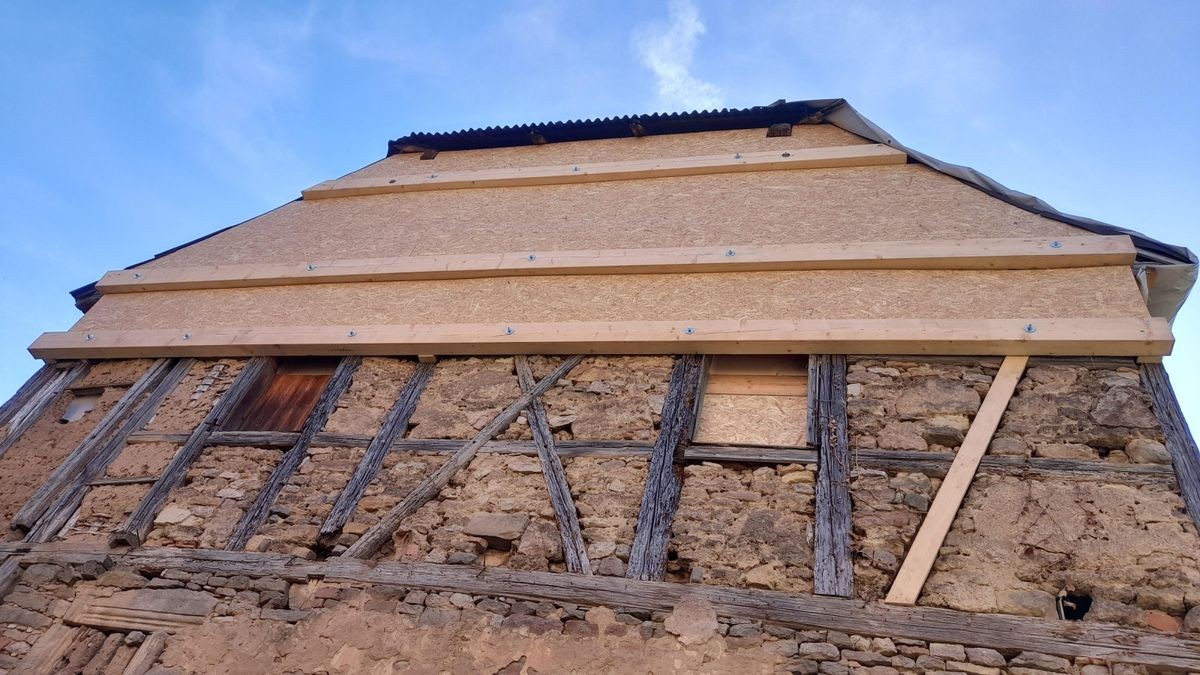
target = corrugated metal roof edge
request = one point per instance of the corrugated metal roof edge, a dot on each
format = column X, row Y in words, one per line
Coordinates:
column 1167, row 272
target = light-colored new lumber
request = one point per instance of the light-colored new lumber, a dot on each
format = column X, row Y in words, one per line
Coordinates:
column 925, row 546
column 974, row 337
column 730, row 162
column 964, row 254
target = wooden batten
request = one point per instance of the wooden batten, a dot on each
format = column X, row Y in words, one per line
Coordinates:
column 973, row 337
column 730, row 162
column 965, row 254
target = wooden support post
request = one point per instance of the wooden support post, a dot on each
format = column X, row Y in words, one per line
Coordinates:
column 137, row 526
column 145, row 656
column 10, row 573
column 62, row 476
column 380, row 533
column 393, row 427
column 257, row 514
column 833, row 570
column 924, row 549
column 1180, row 442
column 71, row 496
column 48, row 652
column 33, row 399
column 664, row 481
column 574, row 548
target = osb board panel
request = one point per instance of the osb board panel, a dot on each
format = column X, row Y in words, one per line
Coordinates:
column 885, row 203
column 1068, row 293
column 612, row 150
column 752, row 420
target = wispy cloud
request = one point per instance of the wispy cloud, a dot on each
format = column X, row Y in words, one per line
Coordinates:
column 667, row 50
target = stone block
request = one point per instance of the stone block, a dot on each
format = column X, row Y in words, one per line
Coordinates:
column 499, row 530
column 1041, row 662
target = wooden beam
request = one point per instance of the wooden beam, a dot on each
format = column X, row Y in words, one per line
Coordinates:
column 10, row 573
column 147, row 654
column 664, row 479
column 257, row 514
column 925, row 546
column 394, row 427
column 731, row 162
column 137, row 526
column 1106, row 641
column 33, row 399
column 381, row 532
column 974, row 337
column 833, row 569
column 71, row 496
column 62, row 477
column 1185, row 456
column 964, row 254
column 574, row 548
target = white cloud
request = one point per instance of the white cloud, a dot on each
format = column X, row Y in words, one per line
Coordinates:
column 667, row 50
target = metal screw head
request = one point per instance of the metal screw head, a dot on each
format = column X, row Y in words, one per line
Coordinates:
column 89, row 337
column 352, row 332
column 532, row 256
column 737, row 155
column 392, row 180
column 689, row 330
column 1056, row 244
column 730, row 253
column 433, row 175
column 312, row 267
column 787, row 154
column 509, row 330
column 187, row 336
column 1030, row 328
column 576, row 169
column 137, row 275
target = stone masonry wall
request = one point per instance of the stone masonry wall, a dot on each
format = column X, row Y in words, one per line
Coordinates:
column 888, row 510
column 270, row 625
column 606, row 397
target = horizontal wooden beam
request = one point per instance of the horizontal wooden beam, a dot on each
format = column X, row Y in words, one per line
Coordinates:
column 730, row 162
column 964, row 254
column 976, row 337
column 1106, row 641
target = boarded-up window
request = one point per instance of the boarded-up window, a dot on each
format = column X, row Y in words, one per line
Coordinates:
column 282, row 400
column 754, row 400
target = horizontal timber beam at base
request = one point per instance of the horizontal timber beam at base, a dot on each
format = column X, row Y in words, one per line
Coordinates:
column 964, row 254
column 597, row 172
column 1064, row 638
column 976, row 337
column 929, row 463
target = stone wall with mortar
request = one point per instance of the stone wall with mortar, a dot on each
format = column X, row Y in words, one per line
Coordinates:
column 270, row 625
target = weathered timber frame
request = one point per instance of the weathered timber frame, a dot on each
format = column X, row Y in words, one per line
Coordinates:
column 967, row 254
column 875, row 154
column 137, row 526
column 574, row 547
column 381, row 532
column 33, row 399
column 71, row 494
column 664, row 479
column 997, row 631
column 965, row 337
column 394, row 427
column 66, row 473
column 923, row 551
column 833, row 568
column 1185, row 456
column 257, row 514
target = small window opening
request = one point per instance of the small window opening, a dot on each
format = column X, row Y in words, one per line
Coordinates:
column 282, row 400
column 754, row 400
column 1073, row 606
column 84, row 401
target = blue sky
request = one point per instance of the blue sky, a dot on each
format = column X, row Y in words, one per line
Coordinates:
column 132, row 127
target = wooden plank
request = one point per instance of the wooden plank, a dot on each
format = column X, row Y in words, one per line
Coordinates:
column 126, row 480
column 756, row 385
column 732, row 162
column 33, row 399
column 925, row 546
column 1089, row 639
column 574, row 547
column 381, row 532
column 72, row 494
column 833, row 568
column 45, row 658
column 147, row 654
column 394, row 427
column 1185, row 456
column 965, row 254
column 61, row 478
column 664, row 479
column 135, row 528
column 974, row 337
column 257, row 514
